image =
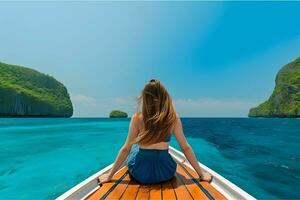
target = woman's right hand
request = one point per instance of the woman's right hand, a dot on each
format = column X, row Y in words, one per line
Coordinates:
column 104, row 178
column 205, row 176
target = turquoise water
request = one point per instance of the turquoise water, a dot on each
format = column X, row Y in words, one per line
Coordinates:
column 42, row 158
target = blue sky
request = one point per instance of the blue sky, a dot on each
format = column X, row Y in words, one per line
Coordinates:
column 217, row 59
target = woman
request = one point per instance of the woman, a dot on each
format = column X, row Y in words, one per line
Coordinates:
column 148, row 139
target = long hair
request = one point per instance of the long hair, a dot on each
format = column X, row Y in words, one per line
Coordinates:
column 158, row 112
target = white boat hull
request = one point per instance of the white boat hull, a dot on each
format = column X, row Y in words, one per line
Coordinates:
column 227, row 188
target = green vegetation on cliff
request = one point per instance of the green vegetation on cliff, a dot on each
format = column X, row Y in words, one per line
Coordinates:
column 27, row 92
column 285, row 99
column 118, row 114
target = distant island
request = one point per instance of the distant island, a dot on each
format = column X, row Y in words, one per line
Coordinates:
column 118, row 114
column 26, row 92
column 285, row 99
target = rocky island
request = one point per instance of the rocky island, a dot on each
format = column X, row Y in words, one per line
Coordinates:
column 285, row 99
column 26, row 92
column 118, row 114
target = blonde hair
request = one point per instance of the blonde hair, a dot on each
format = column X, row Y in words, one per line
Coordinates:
column 159, row 114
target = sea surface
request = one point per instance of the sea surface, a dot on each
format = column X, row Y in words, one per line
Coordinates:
column 42, row 158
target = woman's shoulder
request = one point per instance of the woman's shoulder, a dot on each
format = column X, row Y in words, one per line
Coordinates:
column 137, row 117
column 177, row 118
column 137, row 120
column 177, row 121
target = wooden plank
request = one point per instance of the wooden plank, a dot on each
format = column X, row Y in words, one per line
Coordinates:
column 168, row 191
column 213, row 191
column 143, row 193
column 180, row 188
column 155, row 192
column 120, row 189
column 131, row 191
column 106, row 186
column 194, row 189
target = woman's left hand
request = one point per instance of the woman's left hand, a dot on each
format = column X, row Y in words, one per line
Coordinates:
column 104, row 178
column 205, row 176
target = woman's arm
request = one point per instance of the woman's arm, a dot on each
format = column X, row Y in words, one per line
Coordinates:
column 124, row 151
column 188, row 151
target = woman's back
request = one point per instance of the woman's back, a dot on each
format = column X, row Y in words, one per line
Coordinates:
column 141, row 127
column 149, row 161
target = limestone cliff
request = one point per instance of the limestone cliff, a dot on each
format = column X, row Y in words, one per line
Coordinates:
column 26, row 92
column 285, row 99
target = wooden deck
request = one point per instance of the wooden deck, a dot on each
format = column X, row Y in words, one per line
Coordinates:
column 183, row 186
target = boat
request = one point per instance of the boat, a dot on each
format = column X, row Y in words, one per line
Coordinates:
column 183, row 185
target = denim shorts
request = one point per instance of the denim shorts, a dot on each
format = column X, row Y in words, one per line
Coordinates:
column 150, row 166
